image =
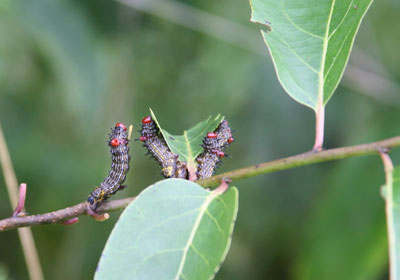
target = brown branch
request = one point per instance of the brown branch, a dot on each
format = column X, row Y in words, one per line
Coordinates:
column 62, row 215
column 303, row 159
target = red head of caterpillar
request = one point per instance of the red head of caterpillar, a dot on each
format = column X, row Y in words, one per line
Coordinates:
column 158, row 148
column 212, row 135
column 121, row 125
column 119, row 166
column 146, row 120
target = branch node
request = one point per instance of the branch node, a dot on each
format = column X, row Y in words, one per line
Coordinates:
column 96, row 216
column 384, row 150
column 387, row 162
column 317, row 149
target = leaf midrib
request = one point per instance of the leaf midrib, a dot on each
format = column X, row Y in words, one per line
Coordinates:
column 188, row 147
column 196, row 225
column 320, row 100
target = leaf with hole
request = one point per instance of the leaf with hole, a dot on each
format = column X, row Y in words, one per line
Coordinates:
column 174, row 229
column 310, row 43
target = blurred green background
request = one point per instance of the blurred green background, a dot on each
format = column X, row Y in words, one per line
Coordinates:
column 69, row 70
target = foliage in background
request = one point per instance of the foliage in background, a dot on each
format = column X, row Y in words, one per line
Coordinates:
column 143, row 61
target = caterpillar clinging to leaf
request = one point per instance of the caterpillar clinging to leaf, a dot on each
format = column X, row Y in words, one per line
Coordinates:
column 152, row 139
column 214, row 145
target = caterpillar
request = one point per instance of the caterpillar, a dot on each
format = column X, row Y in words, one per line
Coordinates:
column 119, row 139
column 214, row 144
column 153, row 141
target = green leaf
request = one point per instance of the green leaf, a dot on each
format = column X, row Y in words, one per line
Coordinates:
column 174, row 229
column 188, row 146
column 393, row 220
column 310, row 43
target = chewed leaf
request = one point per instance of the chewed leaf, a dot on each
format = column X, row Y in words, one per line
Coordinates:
column 310, row 43
column 188, row 145
column 174, row 229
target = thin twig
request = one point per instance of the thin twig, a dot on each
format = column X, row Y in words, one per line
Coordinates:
column 308, row 158
column 387, row 163
column 62, row 215
column 25, row 234
column 302, row 159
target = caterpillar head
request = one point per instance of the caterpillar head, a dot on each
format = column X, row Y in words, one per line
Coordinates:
column 118, row 136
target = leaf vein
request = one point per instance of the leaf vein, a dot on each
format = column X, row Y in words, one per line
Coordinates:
column 341, row 22
column 290, row 48
column 156, row 254
column 223, row 202
column 189, row 148
column 204, row 207
column 321, row 80
column 297, row 26
column 307, row 95
column 200, row 255
column 336, row 56
column 160, row 224
column 216, row 223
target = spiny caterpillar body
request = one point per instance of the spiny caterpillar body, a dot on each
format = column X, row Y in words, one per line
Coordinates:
column 214, row 145
column 119, row 139
column 152, row 139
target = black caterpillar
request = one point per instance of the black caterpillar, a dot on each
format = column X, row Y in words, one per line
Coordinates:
column 172, row 167
column 214, row 145
column 120, row 158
